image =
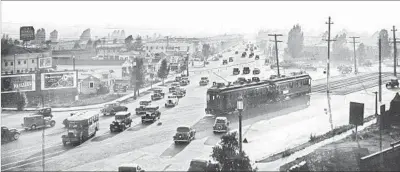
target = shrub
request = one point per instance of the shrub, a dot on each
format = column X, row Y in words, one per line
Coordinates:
column 21, row 101
column 286, row 153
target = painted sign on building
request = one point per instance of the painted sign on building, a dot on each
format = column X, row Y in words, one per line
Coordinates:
column 15, row 83
column 58, row 80
column 45, row 62
column 27, row 33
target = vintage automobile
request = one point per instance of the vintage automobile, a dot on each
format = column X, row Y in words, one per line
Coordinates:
column 179, row 93
column 112, row 108
column 230, row 59
column 178, row 79
column 393, row 83
column 236, row 52
column 184, row 134
column 221, row 124
column 204, row 166
column 367, row 63
column 246, row 49
column 130, row 168
column 244, row 54
column 157, row 94
column 172, row 101
column 142, row 106
column 204, row 81
column 122, row 121
column 46, row 112
column 184, row 82
column 8, row 135
column 173, row 87
column 255, row 48
column 257, row 57
column 255, row 79
column 224, row 62
column 151, row 114
column 246, row 70
column 308, row 67
column 251, row 49
column 215, row 59
column 33, row 122
column 219, row 55
column 256, row 71
column 346, row 70
column 240, row 80
column 236, row 71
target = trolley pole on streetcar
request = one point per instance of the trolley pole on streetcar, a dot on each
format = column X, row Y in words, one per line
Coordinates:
column 328, row 71
column 240, row 109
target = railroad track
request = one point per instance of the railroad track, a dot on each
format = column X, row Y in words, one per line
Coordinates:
column 352, row 81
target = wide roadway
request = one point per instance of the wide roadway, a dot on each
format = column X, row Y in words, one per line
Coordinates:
column 27, row 151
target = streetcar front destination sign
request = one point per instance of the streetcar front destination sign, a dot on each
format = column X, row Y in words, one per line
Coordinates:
column 27, row 33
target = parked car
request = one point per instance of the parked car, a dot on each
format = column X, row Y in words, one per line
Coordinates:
column 8, row 135
column 184, row 82
column 255, row 79
column 179, row 93
column 246, row 49
column 393, row 83
column 130, row 168
column 142, row 106
column 346, row 70
column 34, row 122
column 46, row 112
column 184, row 134
column 240, row 80
column 151, row 114
column 172, row 101
column 367, row 63
column 236, row 71
column 236, row 52
column 173, row 87
column 221, row 124
column 204, row 166
column 308, row 67
column 251, row 55
column 113, row 108
column 246, row 70
column 178, row 79
column 244, row 54
column 204, row 81
column 230, row 59
column 224, row 62
column 257, row 57
column 122, row 121
column 256, row 71
column 157, row 94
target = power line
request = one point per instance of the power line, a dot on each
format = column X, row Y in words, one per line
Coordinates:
column 355, row 57
column 276, row 50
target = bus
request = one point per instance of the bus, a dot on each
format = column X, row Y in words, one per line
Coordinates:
column 222, row 99
column 81, row 127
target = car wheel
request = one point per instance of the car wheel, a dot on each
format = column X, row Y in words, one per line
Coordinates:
column 16, row 136
column 52, row 123
column 64, row 143
column 176, row 142
column 94, row 132
column 33, row 127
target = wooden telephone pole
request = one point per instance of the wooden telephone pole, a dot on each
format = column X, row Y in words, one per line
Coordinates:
column 380, row 71
column 328, row 71
column 276, row 50
column 355, row 57
column 394, row 51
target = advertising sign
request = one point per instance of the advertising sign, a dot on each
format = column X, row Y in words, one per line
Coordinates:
column 15, row 83
column 58, row 80
column 45, row 62
column 356, row 113
column 27, row 33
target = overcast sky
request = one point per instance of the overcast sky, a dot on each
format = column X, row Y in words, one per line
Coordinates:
column 186, row 18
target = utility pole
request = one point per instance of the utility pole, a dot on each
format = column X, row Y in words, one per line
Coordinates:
column 394, row 51
column 42, row 100
column 328, row 71
column 276, row 50
column 187, row 64
column 380, row 71
column 355, row 57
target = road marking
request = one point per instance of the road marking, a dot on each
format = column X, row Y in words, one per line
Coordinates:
column 12, row 151
column 31, row 151
column 32, row 158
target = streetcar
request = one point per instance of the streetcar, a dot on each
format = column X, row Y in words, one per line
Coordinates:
column 222, row 99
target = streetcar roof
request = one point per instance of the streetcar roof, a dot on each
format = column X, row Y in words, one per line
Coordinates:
column 82, row 116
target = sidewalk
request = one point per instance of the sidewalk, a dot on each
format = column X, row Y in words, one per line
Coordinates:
column 93, row 106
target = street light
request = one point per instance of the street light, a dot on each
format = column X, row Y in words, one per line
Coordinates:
column 240, row 109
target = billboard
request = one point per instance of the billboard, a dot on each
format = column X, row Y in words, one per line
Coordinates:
column 15, row 83
column 58, row 80
column 45, row 62
column 27, row 33
column 356, row 113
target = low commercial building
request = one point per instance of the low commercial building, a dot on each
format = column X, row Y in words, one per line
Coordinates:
column 22, row 63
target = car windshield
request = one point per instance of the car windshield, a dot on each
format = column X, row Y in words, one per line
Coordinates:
column 120, row 117
column 182, row 129
column 144, row 102
column 220, row 121
column 74, row 125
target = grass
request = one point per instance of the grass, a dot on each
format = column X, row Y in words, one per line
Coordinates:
column 89, row 101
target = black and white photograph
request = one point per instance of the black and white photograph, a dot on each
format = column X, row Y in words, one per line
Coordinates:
column 207, row 86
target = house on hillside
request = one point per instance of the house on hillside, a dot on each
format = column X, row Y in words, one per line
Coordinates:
column 89, row 84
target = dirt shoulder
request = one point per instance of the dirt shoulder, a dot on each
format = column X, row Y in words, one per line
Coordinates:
column 344, row 154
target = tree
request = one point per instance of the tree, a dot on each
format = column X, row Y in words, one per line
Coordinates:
column 16, row 42
column 21, row 100
column 227, row 154
column 295, row 41
column 386, row 50
column 138, row 45
column 128, row 42
column 206, row 50
column 138, row 75
column 339, row 49
column 361, row 51
column 163, row 71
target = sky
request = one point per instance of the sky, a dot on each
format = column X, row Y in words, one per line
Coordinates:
column 70, row 18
